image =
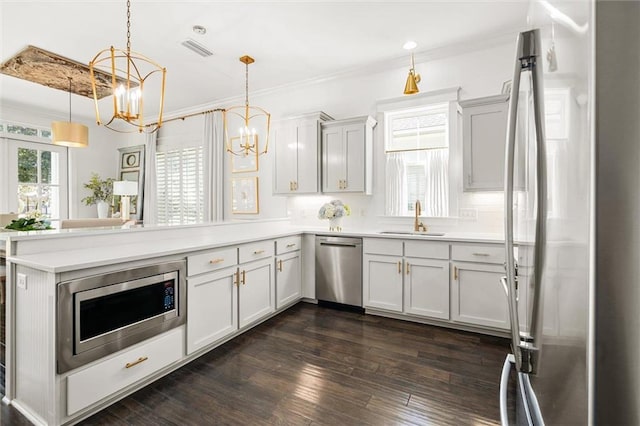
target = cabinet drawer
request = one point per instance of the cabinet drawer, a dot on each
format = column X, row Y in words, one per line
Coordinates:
column 105, row 378
column 427, row 250
column 478, row 253
column 212, row 260
column 288, row 244
column 254, row 251
column 386, row 246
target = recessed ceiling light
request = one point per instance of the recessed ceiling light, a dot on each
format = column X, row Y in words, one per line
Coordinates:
column 199, row 29
column 410, row 45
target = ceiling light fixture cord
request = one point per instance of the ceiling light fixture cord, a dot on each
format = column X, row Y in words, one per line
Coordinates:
column 69, row 99
column 128, row 27
column 246, row 84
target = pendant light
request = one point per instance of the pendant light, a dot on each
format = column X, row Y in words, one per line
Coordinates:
column 67, row 133
column 250, row 122
column 130, row 73
column 411, row 86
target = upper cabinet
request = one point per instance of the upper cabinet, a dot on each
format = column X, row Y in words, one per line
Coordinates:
column 297, row 150
column 484, row 131
column 347, row 155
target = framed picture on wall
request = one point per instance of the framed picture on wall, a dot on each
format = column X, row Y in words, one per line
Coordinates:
column 131, row 167
column 244, row 163
column 244, row 195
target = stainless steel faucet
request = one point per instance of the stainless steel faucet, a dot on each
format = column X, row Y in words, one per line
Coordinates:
column 418, row 226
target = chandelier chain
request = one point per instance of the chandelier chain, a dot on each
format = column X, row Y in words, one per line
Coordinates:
column 128, row 26
column 69, row 99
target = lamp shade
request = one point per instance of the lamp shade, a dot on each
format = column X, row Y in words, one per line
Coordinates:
column 125, row 187
column 70, row 134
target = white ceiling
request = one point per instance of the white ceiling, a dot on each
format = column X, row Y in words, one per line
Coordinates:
column 290, row 40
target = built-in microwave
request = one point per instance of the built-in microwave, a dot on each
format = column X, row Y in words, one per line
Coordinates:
column 102, row 314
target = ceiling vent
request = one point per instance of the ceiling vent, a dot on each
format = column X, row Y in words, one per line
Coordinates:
column 197, row 47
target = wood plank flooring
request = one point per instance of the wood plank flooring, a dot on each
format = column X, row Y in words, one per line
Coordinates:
column 319, row 366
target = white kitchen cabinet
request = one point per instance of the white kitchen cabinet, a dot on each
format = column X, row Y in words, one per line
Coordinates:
column 288, row 279
column 256, row 298
column 347, row 155
column 416, row 285
column 477, row 295
column 297, row 154
column 484, row 130
column 426, row 287
column 212, row 308
column 382, row 282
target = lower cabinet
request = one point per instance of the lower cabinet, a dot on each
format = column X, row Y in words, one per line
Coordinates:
column 382, row 282
column 288, row 279
column 256, row 297
column 478, row 296
column 212, row 308
column 426, row 287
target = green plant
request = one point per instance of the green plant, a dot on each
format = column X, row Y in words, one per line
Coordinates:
column 101, row 190
column 29, row 224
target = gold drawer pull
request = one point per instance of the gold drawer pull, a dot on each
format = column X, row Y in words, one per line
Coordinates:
column 258, row 252
column 136, row 362
column 291, row 245
column 399, row 267
column 215, row 261
column 408, row 271
column 244, row 277
column 481, row 254
column 280, row 265
column 455, row 273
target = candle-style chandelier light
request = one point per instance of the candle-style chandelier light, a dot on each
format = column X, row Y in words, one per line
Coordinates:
column 250, row 122
column 131, row 74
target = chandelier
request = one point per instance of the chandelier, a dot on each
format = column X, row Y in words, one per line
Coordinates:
column 131, row 73
column 248, row 120
column 67, row 133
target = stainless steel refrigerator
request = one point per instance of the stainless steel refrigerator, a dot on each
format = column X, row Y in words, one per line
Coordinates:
column 571, row 234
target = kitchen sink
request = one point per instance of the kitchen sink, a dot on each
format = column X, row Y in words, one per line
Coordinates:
column 426, row 234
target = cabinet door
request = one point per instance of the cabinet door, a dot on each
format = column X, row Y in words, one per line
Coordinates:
column 333, row 159
column 285, row 138
column 382, row 282
column 256, row 291
column 212, row 308
column 478, row 296
column 307, row 161
column 427, row 288
column 354, row 155
column 288, row 279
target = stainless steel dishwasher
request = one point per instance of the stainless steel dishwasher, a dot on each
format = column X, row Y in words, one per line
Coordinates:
column 339, row 270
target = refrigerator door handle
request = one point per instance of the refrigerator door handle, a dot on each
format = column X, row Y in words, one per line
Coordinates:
column 504, row 386
column 527, row 54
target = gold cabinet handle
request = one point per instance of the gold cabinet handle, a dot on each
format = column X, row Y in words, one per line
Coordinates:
column 291, row 245
column 399, row 267
column 408, row 268
column 481, row 254
column 258, row 251
column 280, row 265
column 244, row 277
column 216, row 261
column 136, row 362
column 236, row 277
column 455, row 273
column 295, row 185
column 290, row 186
column 344, row 184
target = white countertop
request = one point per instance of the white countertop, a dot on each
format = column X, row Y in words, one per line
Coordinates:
column 139, row 247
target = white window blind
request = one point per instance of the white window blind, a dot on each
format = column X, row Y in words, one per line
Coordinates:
column 180, row 185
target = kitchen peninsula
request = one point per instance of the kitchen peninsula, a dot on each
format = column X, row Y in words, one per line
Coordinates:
column 236, row 275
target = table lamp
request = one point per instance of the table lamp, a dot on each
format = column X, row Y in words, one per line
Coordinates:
column 125, row 189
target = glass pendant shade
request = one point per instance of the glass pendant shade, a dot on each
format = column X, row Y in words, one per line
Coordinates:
column 246, row 127
column 133, row 77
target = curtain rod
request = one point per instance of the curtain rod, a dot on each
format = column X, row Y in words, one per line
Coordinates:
column 188, row 116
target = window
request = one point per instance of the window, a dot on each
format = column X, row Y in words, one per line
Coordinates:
column 180, row 185
column 35, row 178
column 417, row 157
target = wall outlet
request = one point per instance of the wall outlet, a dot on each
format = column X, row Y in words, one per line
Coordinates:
column 469, row 214
column 21, row 281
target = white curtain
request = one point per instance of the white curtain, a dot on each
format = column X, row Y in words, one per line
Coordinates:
column 396, row 191
column 437, row 176
column 150, row 194
column 213, row 164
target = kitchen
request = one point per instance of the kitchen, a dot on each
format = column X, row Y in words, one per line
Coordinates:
column 446, row 75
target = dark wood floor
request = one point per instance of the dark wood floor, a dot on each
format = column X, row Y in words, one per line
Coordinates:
column 313, row 365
